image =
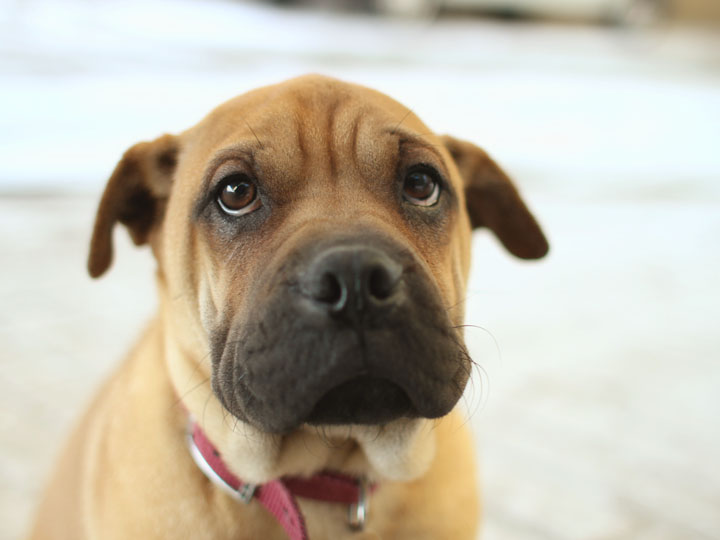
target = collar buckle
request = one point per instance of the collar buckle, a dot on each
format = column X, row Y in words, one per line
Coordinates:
column 245, row 492
column 358, row 512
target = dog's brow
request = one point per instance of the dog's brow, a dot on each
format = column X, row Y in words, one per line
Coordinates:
column 408, row 139
column 242, row 152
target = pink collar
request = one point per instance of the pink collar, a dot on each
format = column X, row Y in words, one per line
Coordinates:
column 278, row 496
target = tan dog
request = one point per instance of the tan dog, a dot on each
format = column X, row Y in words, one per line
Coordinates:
column 313, row 247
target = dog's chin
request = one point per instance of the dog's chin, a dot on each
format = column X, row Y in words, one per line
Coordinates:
column 363, row 400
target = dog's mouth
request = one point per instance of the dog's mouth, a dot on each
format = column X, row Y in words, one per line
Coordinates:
column 362, row 400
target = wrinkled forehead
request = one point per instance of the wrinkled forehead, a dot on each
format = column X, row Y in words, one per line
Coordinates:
column 313, row 126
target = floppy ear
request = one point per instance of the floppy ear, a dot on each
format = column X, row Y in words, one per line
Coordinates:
column 494, row 202
column 135, row 196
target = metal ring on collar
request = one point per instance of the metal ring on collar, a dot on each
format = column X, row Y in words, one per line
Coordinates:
column 358, row 512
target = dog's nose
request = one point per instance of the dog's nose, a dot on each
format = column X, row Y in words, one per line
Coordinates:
column 350, row 281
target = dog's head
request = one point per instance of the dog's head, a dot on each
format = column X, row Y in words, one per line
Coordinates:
column 313, row 243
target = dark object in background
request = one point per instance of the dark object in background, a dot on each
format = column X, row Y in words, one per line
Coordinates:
column 599, row 11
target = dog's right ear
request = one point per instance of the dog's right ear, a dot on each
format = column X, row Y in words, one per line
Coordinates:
column 135, row 196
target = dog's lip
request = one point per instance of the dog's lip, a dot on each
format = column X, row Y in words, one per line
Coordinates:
column 364, row 399
column 363, row 396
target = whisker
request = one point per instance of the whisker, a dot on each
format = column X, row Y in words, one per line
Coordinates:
column 255, row 135
column 207, row 400
column 192, row 375
column 380, row 429
column 488, row 332
column 394, row 130
column 179, row 400
column 303, row 437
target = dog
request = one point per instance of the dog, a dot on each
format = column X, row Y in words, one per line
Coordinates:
column 301, row 377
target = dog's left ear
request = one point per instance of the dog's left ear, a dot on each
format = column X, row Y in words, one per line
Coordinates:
column 135, row 196
column 494, row 202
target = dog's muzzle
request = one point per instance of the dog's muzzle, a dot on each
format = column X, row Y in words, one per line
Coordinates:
column 350, row 331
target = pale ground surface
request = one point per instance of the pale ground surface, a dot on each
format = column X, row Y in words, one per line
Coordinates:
column 597, row 415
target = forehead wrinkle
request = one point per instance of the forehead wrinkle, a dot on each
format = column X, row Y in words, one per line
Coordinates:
column 344, row 127
column 300, row 136
column 374, row 150
column 327, row 123
column 332, row 130
column 354, row 132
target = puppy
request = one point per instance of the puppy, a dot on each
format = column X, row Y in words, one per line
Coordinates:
column 300, row 380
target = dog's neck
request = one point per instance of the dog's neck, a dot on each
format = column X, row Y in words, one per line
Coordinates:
column 278, row 496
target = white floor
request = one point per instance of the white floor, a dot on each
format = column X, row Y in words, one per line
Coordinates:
column 597, row 415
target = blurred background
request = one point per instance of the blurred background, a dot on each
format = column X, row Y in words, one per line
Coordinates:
column 596, row 416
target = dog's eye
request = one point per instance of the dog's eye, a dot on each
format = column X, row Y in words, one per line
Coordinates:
column 238, row 195
column 421, row 187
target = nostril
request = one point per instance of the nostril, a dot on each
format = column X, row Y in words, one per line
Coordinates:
column 350, row 282
column 380, row 283
column 329, row 290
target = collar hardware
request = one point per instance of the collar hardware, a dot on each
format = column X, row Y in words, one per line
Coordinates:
column 278, row 496
column 245, row 492
column 357, row 512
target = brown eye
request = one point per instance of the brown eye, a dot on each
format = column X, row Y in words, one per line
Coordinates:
column 421, row 188
column 238, row 195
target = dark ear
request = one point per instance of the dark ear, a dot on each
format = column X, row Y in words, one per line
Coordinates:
column 494, row 202
column 135, row 196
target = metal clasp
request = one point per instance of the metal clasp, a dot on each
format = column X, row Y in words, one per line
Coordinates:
column 245, row 492
column 358, row 512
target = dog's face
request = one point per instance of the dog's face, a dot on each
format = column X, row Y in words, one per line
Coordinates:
column 313, row 242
